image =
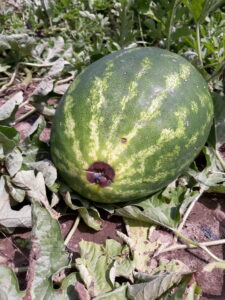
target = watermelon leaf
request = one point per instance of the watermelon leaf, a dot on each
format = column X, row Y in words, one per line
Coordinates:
column 10, row 218
column 151, row 287
column 98, row 262
column 9, row 138
column 9, row 286
column 163, row 208
column 217, row 137
column 194, row 292
column 88, row 213
column 119, row 293
column 178, row 295
column 9, row 108
column 91, row 217
column 33, row 148
column 212, row 177
column 201, row 8
column 16, row 193
column 13, row 161
column 48, row 170
column 48, row 255
column 140, row 245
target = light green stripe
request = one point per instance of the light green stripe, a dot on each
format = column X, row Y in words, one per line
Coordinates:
column 172, row 81
column 165, row 137
column 132, row 93
column 96, row 100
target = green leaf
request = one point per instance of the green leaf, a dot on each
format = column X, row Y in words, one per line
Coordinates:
column 162, row 208
column 48, row 254
column 117, row 294
column 9, row 286
column 171, row 266
column 67, row 290
column 97, row 261
column 68, row 200
column 212, row 177
column 142, row 248
column 44, row 88
column 13, row 161
column 4, row 68
column 91, row 217
column 153, row 286
column 10, row 218
column 34, row 149
column 48, row 170
column 9, row 138
column 21, row 44
column 34, row 185
column 49, row 6
column 218, row 139
column 209, row 7
column 178, row 295
column 201, row 8
column 195, row 8
column 9, row 108
column 16, row 193
column 89, row 214
column 194, row 292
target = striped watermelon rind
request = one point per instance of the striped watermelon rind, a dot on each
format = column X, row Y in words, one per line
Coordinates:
column 143, row 112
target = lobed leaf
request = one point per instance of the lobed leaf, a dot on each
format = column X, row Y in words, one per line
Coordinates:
column 9, row 138
column 9, row 286
column 48, row 255
column 10, row 107
column 10, row 218
column 154, row 285
column 163, row 208
column 97, row 261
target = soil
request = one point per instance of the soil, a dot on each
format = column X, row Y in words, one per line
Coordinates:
column 205, row 223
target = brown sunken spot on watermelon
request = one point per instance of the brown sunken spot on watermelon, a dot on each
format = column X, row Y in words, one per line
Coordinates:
column 100, row 173
column 123, row 140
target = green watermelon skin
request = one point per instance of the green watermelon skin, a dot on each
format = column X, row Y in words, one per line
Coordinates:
column 145, row 112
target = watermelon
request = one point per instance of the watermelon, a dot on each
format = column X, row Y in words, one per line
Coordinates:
column 130, row 124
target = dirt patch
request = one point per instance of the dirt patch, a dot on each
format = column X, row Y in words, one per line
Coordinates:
column 205, row 224
column 111, row 224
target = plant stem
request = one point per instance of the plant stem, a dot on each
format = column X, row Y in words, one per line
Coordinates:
column 4, row 87
column 196, row 244
column 199, row 44
column 185, row 239
column 27, row 114
column 171, row 24
column 66, row 79
column 141, row 30
column 44, row 65
column 180, row 247
column 188, row 211
column 211, row 254
column 72, row 230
